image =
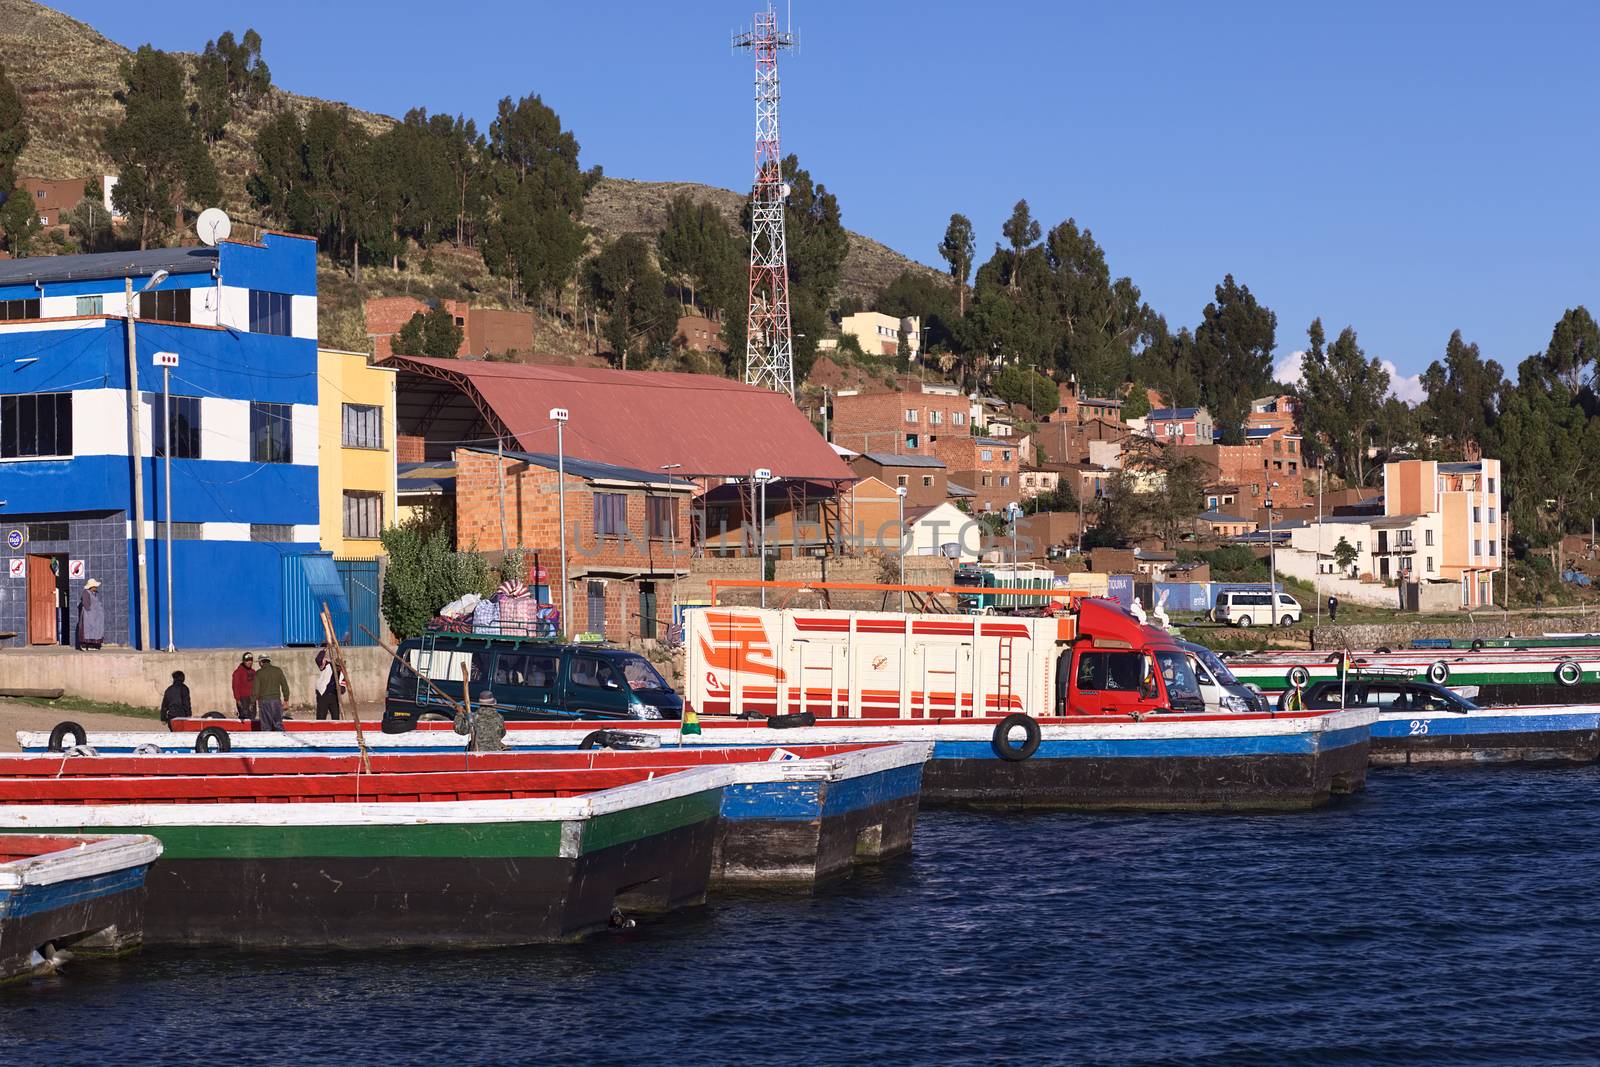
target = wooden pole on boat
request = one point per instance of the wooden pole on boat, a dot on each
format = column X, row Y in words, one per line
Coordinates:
column 447, row 698
column 336, row 657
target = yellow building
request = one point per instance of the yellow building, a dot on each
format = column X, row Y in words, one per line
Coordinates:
column 356, row 460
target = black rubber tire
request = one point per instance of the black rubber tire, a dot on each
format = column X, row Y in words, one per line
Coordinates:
column 1298, row 675
column 1477, row 644
column 1243, row 622
column 1438, row 672
column 1383, row 650
column 1001, row 741
column 1575, row 676
column 58, row 736
column 203, row 739
column 1287, row 620
column 213, row 715
column 596, row 739
column 789, row 722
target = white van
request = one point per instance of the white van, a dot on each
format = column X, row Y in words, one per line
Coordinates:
column 1250, row 608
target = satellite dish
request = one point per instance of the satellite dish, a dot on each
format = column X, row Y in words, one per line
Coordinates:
column 786, row 190
column 213, row 225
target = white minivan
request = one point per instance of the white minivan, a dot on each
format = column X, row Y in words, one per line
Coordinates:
column 1239, row 607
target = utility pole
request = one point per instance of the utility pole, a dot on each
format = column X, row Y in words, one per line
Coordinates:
column 763, row 475
column 559, row 417
column 1272, row 563
column 900, row 493
column 136, row 449
column 667, row 469
column 166, row 361
column 500, row 475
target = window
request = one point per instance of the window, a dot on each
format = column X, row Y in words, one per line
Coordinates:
column 1491, row 485
column 1428, row 560
column 181, row 531
column 1491, row 548
column 1405, row 538
column 1475, row 548
column 1005, row 479
column 984, row 479
column 35, row 424
column 1491, row 516
column 363, row 514
column 269, row 313
column 182, row 427
column 927, row 481
column 659, row 516
column 271, row 433
column 911, row 414
column 1477, row 514
column 363, row 426
column 1427, row 538
column 19, row 309
column 987, row 455
column 911, row 440
column 1291, row 448
column 271, row 532
column 958, row 418
column 47, row 531
column 900, row 479
column 935, row 418
column 1005, row 454
column 167, row 305
column 536, row 670
column 91, row 305
column 610, row 514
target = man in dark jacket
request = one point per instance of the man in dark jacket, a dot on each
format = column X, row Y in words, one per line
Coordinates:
column 271, row 691
column 175, row 701
column 244, row 688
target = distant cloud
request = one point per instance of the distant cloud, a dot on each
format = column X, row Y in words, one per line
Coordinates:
column 1287, row 370
column 1408, row 389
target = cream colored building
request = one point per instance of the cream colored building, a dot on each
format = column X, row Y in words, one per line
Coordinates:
column 356, row 458
column 879, row 335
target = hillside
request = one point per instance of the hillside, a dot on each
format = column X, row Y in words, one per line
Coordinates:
column 67, row 73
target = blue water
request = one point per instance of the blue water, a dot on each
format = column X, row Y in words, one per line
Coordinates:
column 1443, row 917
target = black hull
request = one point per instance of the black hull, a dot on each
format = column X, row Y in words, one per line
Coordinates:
column 1547, row 747
column 107, row 925
column 799, row 852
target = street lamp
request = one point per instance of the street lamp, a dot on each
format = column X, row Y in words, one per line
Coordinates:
column 672, row 545
column 166, row 361
column 1272, row 563
column 763, row 475
column 1014, row 510
column 136, row 433
column 900, row 494
column 559, row 417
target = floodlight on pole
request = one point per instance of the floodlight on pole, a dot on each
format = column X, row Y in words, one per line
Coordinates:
column 900, row 492
column 762, row 475
column 559, row 417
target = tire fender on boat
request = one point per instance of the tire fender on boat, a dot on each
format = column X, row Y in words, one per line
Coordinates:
column 1001, row 742
column 203, row 740
column 1298, row 675
column 1438, row 672
column 1568, row 672
column 1477, row 644
column 58, row 736
column 789, row 722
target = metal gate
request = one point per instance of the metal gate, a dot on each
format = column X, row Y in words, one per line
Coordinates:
column 360, row 578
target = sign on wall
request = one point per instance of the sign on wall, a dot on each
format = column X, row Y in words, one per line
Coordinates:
column 14, row 539
column 19, row 567
column 75, row 570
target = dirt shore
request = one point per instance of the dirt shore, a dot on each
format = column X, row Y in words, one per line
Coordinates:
column 15, row 716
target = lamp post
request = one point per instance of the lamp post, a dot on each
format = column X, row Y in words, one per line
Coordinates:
column 1272, row 563
column 672, row 545
column 900, row 494
column 1014, row 510
column 762, row 476
column 559, row 417
column 166, row 361
column 136, row 447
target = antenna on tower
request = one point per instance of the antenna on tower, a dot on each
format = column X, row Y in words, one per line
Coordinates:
column 769, row 341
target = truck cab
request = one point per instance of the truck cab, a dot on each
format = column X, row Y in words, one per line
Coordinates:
column 1118, row 666
column 529, row 679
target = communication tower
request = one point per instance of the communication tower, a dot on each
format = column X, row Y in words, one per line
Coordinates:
column 769, row 343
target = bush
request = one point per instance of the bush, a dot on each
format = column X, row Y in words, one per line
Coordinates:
column 424, row 575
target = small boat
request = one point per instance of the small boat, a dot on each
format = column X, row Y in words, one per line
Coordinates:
column 1501, row 676
column 64, row 895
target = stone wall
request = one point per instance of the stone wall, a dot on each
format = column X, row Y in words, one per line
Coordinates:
column 1486, row 624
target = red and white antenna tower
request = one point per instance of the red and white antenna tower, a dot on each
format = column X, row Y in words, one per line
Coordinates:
column 769, row 344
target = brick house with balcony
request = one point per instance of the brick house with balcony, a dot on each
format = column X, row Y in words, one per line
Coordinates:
column 909, row 419
column 988, row 466
column 626, row 533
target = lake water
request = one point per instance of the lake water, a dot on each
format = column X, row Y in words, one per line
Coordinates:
column 1443, row 917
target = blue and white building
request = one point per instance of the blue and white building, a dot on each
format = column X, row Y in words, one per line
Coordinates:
column 242, row 320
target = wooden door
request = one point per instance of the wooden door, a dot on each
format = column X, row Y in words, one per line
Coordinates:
column 41, row 601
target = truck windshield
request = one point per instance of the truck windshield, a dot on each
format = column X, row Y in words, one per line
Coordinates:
column 1179, row 678
column 1213, row 663
column 641, row 676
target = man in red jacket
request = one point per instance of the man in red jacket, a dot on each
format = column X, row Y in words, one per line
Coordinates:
column 244, row 681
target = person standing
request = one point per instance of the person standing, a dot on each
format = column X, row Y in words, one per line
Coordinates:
column 329, row 683
column 244, row 688
column 91, row 616
column 271, row 692
column 175, row 701
column 1333, row 608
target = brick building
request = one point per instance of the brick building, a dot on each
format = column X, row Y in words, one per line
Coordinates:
column 985, row 465
column 699, row 334
column 925, row 477
column 1250, row 469
column 54, row 199
column 1181, row 426
column 909, row 419
column 625, row 539
column 1072, row 406
column 484, row 331
column 1061, row 441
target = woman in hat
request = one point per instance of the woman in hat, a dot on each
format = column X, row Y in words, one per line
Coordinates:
column 91, row 616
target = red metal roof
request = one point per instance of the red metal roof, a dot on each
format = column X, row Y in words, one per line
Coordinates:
column 644, row 419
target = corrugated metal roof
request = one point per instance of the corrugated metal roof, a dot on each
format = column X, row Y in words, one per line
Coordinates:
column 590, row 469
column 107, row 265
column 889, row 459
column 1172, row 413
column 711, row 426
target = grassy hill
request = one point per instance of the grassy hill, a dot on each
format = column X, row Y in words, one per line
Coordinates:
column 67, row 73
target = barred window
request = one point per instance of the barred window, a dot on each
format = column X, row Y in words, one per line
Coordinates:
column 363, row 514
column 35, row 424
column 271, row 433
column 610, row 514
column 271, row 532
column 181, row 531
column 660, row 516
column 363, row 426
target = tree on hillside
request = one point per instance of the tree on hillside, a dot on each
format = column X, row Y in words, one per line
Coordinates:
column 1233, row 355
column 162, row 163
column 1021, row 232
column 353, row 202
column 1341, row 402
column 1100, row 320
column 1574, row 347
column 929, row 299
column 18, row 217
column 1461, row 399
column 280, row 183
column 1136, row 405
column 421, row 190
column 1168, row 363
column 1344, row 554
column 958, row 249
column 626, row 284
column 698, row 248
column 463, row 149
column 432, row 334
column 227, row 73
column 1024, row 385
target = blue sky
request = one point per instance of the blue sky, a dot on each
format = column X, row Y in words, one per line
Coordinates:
column 1408, row 169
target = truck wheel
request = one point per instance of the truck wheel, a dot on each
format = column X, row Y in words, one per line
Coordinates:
column 1287, row 620
column 1244, row 620
column 1002, row 744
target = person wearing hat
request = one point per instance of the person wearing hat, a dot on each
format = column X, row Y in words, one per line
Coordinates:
column 91, row 616
column 271, row 691
column 244, row 688
column 175, row 701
